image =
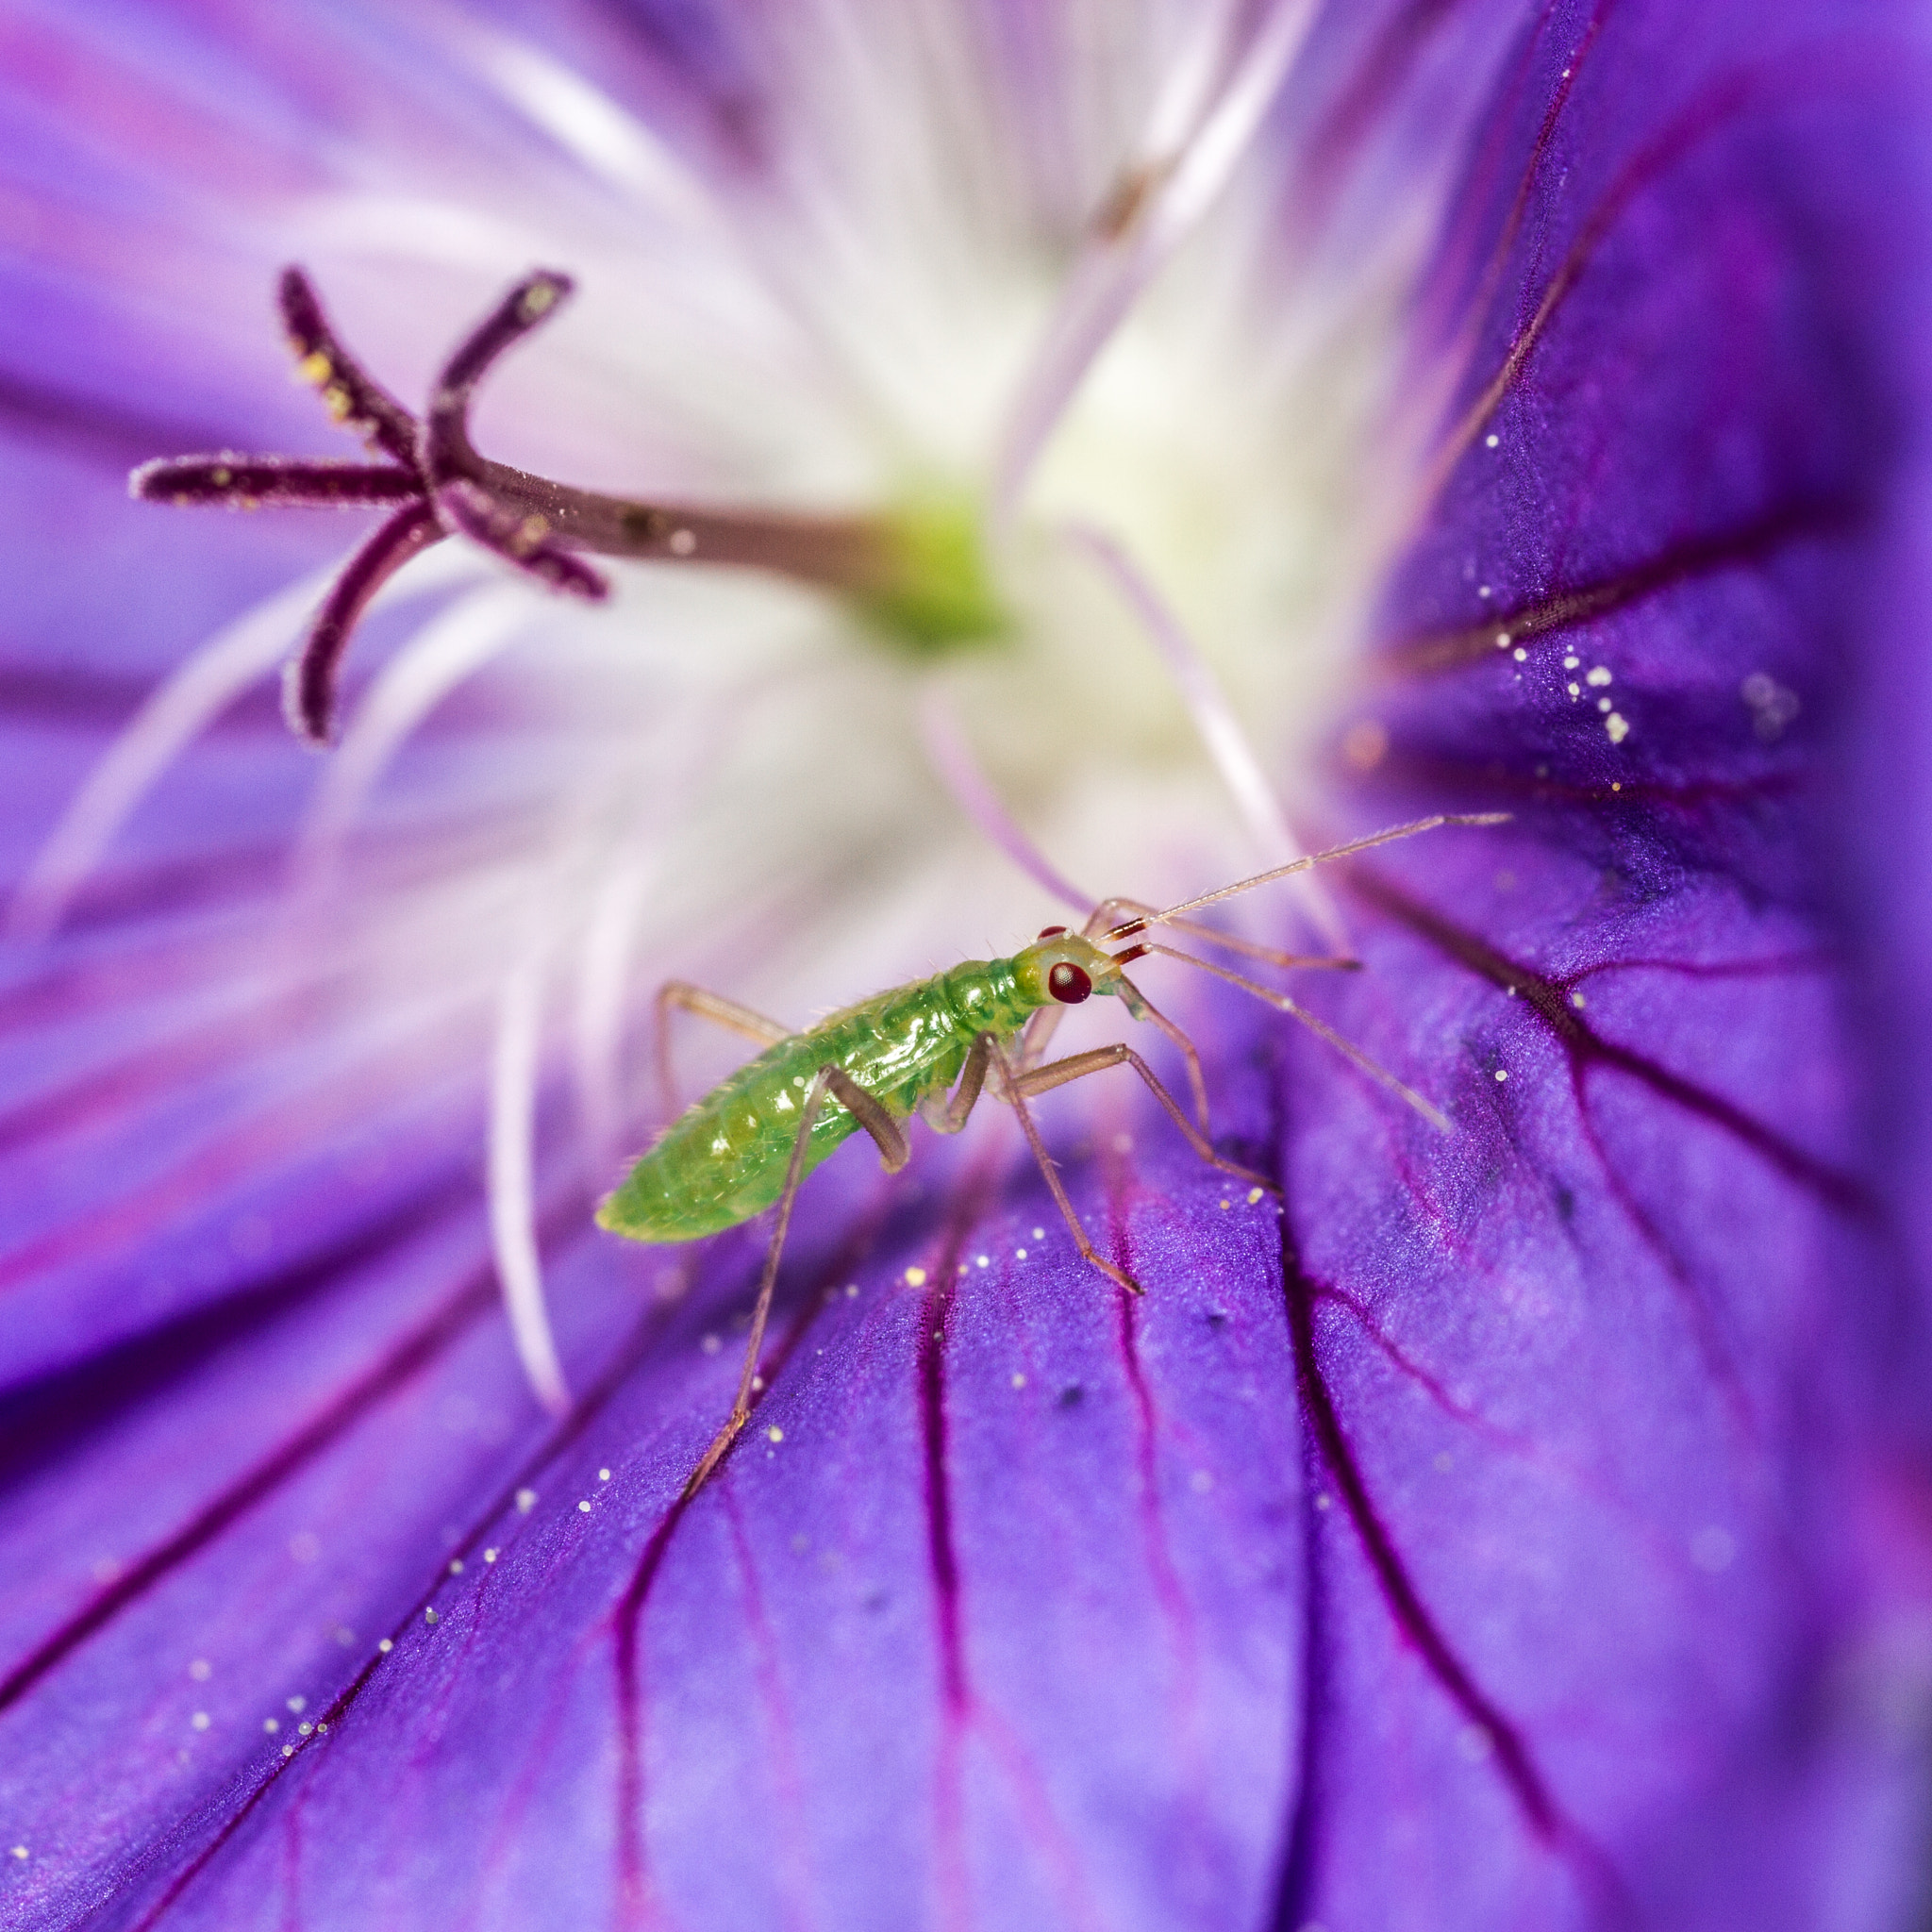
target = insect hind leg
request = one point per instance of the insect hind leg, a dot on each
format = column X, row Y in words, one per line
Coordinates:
column 893, row 1153
column 713, row 1007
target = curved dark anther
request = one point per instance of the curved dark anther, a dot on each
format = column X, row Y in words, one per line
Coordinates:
column 309, row 682
column 520, row 537
column 350, row 395
column 446, row 448
column 248, row 482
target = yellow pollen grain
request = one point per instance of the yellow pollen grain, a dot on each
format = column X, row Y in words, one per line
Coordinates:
column 915, row 1278
column 315, row 368
column 1253, row 1195
column 1618, row 726
column 336, row 401
column 775, row 1434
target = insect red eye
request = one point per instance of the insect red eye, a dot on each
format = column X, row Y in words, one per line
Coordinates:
column 1069, row 983
column 1051, row 932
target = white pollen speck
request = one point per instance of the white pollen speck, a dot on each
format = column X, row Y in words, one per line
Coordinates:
column 1603, row 704
column 1504, row 641
column 429, row 1616
column 19, row 1851
column 1576, row 999
column 298, row 1705
column 1501, row 1074
column 201, row 1669
column 775, row 1434
column 1255, row 1194
column 1040, row 1234
column 1571, row 662
column 385, row 1645
column 757, row 1382
column 288, row 1750
column 585, row 1508
column 321, row 1730
column 1521, row 656
column 1483, row 590
column 1325, row 1501
column 915, row 1278
column 1492, row 439
column 851, row 1291
column 1201, row 1482
column 201, row 1720
column 710, row 1344
column 1599, row 675
column 1019, row 1380
column 983, row 1261
column 271, row 1724
column 1018, row 1254
column 603, row 1475
column 456, row 1566
column 489, row 1556
column 307, row 1730
column 1575, row 691
column 1619, row 728
column 682, row 543
column 526, row 1501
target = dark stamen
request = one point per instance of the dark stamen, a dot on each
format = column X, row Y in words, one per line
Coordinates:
column 523, row 540
column 247, row 482
column 350, row 394
column 308, row 685
column 910, row 576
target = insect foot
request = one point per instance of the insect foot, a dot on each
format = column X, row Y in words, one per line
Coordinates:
column 915, row 573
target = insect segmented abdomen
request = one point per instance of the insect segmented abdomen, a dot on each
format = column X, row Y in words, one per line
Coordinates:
column 725, row 1159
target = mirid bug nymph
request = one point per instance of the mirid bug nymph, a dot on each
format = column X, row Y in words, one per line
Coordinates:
column 931, row 1048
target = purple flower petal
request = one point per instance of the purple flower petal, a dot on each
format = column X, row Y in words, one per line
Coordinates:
column 1525, row 1529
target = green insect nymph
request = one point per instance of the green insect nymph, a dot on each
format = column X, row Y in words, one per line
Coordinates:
column 930, row 1048
column 726, row 1159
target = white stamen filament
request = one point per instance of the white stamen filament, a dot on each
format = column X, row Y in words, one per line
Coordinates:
column 446, row 652
column 1227, row 744
column 514, row 1075
column 1113, row 269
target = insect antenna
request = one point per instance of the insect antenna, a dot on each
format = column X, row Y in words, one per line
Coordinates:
column 1283, row 1004
column 1142, row 921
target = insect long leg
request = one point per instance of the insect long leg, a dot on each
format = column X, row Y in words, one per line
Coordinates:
column 947, row 1116
column 1077, row 1066
column 893, row 1153
column 794, row 1173
column 1347, row 1048
column 1013, row 1087
column 1142, row 1008
column 707, row 1006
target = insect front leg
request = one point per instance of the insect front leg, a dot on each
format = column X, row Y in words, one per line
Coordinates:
column 893, row 1154
column 1076, row 1067
column 1015, row 1088
column 948, row 1114
column 707, row 1006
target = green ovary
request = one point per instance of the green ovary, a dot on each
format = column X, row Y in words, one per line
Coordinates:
column 937, row 595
